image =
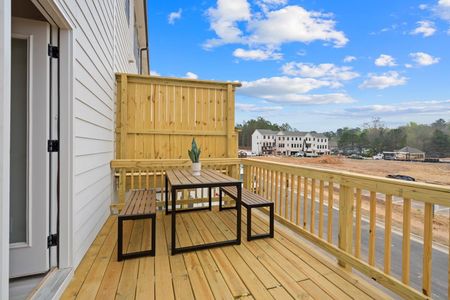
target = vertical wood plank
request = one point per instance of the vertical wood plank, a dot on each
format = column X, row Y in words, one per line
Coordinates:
column 321, row 195
column 123, row 116
column 292, row 186
column 358, row 224
column 313, row 206
column 427, row 248
column 406, row 245
column 299, row 186
column 388, row 235
column 330, row 212
column 231, row 152
column 305, row 202
column 372, row 227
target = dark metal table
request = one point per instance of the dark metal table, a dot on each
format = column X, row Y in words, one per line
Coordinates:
column 180, row 179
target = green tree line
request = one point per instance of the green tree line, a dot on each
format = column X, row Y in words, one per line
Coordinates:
column 374, row 137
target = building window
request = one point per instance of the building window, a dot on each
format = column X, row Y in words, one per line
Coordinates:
column 127, row 11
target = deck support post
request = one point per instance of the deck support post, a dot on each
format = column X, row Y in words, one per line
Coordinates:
column 345, row 221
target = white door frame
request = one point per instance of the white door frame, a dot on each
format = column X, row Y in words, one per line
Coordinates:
column 54, row 14
column 66, row 135
column 5, row 96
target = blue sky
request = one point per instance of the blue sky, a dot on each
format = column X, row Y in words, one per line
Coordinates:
column 318, row 65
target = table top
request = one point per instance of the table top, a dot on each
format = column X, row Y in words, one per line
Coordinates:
column 183, row 178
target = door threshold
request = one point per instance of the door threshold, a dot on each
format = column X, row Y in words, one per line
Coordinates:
column 53, row 284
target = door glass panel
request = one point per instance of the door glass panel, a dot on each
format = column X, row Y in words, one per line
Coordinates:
column 19, row 139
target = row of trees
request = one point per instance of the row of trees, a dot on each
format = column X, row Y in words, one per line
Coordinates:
column 374, row 137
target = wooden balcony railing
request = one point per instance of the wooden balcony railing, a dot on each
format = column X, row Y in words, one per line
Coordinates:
column 334, row 210
column 305, row 199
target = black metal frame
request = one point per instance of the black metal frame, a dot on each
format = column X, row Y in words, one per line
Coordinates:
column 174, row 212
column 120, row 255
column 249, row 216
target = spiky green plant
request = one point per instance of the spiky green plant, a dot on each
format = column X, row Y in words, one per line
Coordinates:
column 194, row 153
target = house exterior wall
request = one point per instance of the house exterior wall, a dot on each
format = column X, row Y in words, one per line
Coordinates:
column 103, row 44
column 263, row 142
column 256, row 139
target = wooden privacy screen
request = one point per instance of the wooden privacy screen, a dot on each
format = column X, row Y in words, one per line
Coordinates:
column 157, row 117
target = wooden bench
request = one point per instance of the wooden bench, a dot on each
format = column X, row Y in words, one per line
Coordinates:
column 140, row 204
column 250, row 200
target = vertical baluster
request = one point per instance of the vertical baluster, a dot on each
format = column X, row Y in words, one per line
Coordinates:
column 147, row 179
column 287, row 185
column 282, row 191
column 372, row 227
column 305, row 201
column 330, row 212
column 162, row 182
column 312, row 216
column 132, row 179
column 321, row 209
column 406, row 245
column 272, row 186
column 358, row 224
column 140, row 178
column 122, row 185
column 292, row 197
column 277, row 179
column 427, row 248
column 388, row 235
column 266, row 183
column 259, row 181
column 299, row 197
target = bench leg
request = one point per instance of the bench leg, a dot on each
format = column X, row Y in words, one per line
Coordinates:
column 221, row 207
column 263, row 235
column 220, row 199
column 153, row 251
column 120, row 255
column 120, row 239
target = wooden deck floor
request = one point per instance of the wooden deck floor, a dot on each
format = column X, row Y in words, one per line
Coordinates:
column 282, row 268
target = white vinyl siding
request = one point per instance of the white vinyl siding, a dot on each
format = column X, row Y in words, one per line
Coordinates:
column 103, row 45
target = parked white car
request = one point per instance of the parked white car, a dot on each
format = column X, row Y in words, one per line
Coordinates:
column 379, row 156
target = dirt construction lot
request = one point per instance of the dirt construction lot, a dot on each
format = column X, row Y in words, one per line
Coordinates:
column 437, row 173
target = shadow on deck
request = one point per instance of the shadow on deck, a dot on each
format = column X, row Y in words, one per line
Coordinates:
column 284, row 267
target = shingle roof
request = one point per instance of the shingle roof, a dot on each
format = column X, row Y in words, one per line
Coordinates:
column 408, row 149
column 266, row 131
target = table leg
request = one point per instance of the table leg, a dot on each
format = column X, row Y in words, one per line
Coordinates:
column 166, row 193
column 210, row 198
column 174, row 216
column 238, row 212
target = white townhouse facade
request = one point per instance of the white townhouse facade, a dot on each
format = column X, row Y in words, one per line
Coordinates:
column 58, row 60
column 263, row 141
column 289, row 142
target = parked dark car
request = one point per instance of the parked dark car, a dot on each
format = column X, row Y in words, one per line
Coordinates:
column 402, row 177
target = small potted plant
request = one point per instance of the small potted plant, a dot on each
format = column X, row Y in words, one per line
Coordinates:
column 194, row 155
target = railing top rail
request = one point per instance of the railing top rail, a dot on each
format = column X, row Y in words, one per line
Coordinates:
column 175, row 79
column 427, row 192
column 148, row 163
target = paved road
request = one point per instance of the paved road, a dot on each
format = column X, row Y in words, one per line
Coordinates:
column 440, row 258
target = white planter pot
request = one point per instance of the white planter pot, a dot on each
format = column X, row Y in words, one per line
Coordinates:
column 196, row 168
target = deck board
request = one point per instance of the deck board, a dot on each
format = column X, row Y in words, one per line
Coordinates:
column 280, row 268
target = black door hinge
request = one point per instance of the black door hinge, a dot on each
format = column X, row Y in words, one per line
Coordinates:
column 53, row 51
column 53, row 146
column 52, row 240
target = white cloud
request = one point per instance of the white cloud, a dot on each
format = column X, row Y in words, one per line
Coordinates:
column 154, row 73
column 409, row 66
column 442, row 10
column 349, row 59
column 324, row 71
column 295, row 24
column 385, row 80
column 223, row 21
column 292, row 90
column 385, row 60
column 425, row 28
column 397, row 109
column 424, row 59
column 173, row 16
column 423, row 6
column 191, row 75
column 257, row 108
column 271, row 29
column 257, row 54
